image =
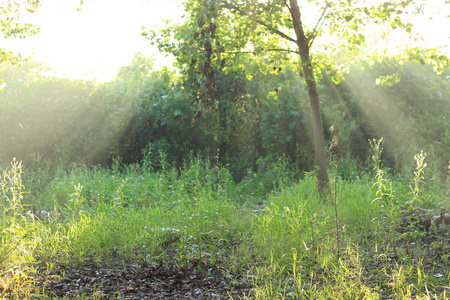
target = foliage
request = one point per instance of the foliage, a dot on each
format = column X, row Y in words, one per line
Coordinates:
column 200, row 218
column 145, row 109
column 225, row 31
column 11, row 25
column 384, row 187
column 18, row 234
column 418, row 176
column 409, row 115
column 212, row 166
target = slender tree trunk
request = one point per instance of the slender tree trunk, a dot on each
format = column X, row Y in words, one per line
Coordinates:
column 223, row 146
column 319, row 139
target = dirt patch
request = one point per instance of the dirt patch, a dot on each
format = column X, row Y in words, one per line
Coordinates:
column 423, row 220
column 426, row 235
column 151, row 282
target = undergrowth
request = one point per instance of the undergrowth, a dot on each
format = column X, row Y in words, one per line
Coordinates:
column 284, row 240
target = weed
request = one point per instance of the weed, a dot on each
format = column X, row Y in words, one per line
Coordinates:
column 285, row 241
column 384, row 193
column 418, row 178
column 18, row 234
column 336, row 160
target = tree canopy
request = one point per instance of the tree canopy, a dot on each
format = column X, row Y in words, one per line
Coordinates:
column 278, row 33
column 11, row 25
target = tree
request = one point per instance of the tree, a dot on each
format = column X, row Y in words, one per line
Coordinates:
column 195, row 45
column 10, row 25
column 255, row 27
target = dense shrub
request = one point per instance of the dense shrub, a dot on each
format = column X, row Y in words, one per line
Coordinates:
column 411, row 115
column 146, row 113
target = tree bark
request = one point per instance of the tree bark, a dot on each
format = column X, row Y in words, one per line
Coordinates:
column 319, row 139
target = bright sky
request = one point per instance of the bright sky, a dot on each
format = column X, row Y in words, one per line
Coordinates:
column 96, row 41
column 433, row 25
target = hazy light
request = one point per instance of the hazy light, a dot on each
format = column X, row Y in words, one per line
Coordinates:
column 432, row 24
column 95, row 42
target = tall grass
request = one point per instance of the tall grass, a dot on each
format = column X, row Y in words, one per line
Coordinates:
column 18, row 234
column 285, row 240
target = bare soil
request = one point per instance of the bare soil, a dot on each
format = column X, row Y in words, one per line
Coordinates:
column 150, row 282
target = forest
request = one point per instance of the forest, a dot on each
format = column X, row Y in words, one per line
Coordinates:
column 271, row 162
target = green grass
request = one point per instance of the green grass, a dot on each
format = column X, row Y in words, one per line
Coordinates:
column 285, row 240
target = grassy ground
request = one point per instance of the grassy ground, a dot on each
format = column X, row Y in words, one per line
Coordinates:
column 286, row 244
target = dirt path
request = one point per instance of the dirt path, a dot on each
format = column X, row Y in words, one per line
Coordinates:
column 155, row 282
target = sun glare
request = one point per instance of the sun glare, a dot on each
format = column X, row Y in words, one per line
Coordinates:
column 93, row 43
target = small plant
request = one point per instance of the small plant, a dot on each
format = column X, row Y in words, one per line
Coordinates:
column 334, row 148
column 147, row 160
column 384, row 193
column 75, row 198
column 16, row 235
column 418, row 177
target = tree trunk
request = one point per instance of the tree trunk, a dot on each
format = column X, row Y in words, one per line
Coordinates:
column 319, row 139
column 223, row 132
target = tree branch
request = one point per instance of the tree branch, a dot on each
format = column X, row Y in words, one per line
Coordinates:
column 302, row 40
column 317, row 27
column 282, row 50
column 251, row 52
column 270, row 28
column 287, row 5
column 282, row 34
